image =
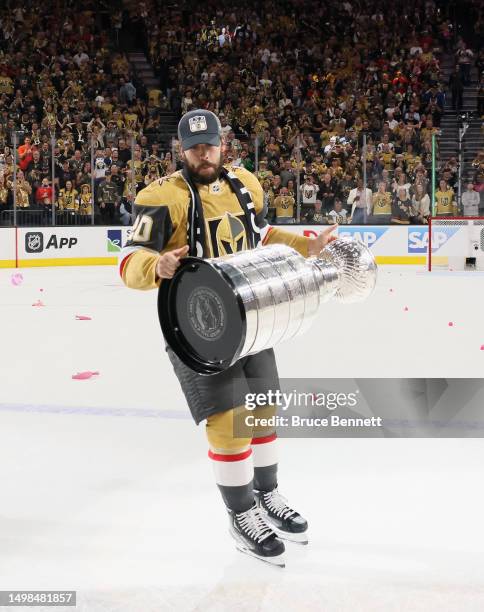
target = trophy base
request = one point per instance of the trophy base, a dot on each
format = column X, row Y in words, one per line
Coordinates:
column 202, row 318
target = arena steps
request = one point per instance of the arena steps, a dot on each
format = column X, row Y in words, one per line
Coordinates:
column 452, row 120
column 168, row 119
column 143, row 69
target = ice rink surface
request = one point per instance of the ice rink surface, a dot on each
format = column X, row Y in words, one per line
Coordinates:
column 105, row 486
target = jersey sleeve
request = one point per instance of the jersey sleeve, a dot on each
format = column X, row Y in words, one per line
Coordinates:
column 270, row 234
column 275, row 235
column 158, row 227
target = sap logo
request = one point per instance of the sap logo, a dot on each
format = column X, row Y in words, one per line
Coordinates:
column 418, row 239
column 368, row 235
column 34, row 242
column 114, row 241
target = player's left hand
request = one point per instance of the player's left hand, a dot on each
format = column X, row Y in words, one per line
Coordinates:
column 316, row 245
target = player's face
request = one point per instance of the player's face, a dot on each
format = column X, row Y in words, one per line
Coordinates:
column 203, row 162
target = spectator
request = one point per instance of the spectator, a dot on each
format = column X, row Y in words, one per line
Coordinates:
column 25, row 154
column 445, row 205
column 284, row 205
column 360, row 202
column 464, row 57
column 263, row 172
column 268, row 195
column 400, row 182
column 85, row 202
column 100, row 168
column 84, row 177
column 421, row 203
column 314, row 215
column 328, row 191
column 287, row 173
column 381, row 205
column 470, row 201
column 108, row 199
column 127, row 92
column 68, row 200
column 338, row 214
column 309, row 191
column 117, row 178
column 5, row 194
column 44, row 194
column 456, row 86
column 23, row 191
column 123, row 152
column 403, row 212
column 65, row 174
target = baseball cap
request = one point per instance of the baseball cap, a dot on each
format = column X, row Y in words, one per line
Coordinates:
column 199, row 127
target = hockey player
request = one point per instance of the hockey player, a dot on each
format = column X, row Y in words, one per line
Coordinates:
column 209, row 210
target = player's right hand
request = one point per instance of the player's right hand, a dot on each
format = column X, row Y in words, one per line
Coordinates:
column 168, row 262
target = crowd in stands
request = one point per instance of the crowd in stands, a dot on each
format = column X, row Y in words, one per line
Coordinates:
column 305, row 92
column 309, row 82
column 69, row 101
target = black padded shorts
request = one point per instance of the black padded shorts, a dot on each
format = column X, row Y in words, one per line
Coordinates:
column 207, row 395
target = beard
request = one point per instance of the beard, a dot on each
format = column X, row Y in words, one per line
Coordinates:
column 200, row 174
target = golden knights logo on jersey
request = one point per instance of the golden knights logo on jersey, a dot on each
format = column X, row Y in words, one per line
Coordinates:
column 226, row 234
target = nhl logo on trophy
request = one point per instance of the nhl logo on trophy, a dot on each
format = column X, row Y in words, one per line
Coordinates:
column 206, row 313
column 216, row 311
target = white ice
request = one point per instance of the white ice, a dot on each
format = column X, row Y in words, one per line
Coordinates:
column 105, row 487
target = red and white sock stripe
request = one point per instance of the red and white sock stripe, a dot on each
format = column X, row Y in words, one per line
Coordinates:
column 233, row 470
column 264, row 450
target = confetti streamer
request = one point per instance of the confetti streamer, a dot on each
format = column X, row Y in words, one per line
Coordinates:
column 84, row 375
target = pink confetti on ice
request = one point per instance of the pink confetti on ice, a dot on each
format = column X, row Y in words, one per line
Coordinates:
column 406, row 309
column 482, row 347
column 84, row 375
column 40, row 289
column 451, row 324
column 38, row 303
column 16, row 279
column 83, row 318
column 391, row 290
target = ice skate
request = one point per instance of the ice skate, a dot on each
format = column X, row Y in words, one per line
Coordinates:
column 286, row 522
column 255, row 537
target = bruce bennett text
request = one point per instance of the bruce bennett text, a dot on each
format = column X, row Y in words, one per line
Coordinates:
column 334, row 420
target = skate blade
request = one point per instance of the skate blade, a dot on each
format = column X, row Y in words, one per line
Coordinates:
column 278, row 561
column 295, row 538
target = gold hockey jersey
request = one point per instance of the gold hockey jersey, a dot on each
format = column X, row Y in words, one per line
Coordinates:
column 382, row 203
column 444, row 201
column 161, row 211
column 68, row 200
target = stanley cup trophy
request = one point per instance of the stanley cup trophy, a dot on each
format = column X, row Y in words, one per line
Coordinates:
column 216, row 311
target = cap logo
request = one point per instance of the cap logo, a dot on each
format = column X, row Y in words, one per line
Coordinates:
column 198, row 123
